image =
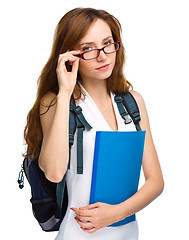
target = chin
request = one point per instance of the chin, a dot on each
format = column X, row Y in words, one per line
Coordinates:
column 98, row 75
column 105, row 74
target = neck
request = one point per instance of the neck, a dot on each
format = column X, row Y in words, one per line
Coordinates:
column 97, row 90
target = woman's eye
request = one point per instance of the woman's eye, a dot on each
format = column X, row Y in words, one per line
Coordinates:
column 108, row 42
column 87, row 48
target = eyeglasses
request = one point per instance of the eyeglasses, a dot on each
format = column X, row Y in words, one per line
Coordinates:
column 94, row 53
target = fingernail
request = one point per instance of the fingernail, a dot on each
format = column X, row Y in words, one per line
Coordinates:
column 71, row 209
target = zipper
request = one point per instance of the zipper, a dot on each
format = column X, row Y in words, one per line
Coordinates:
column 21, row 178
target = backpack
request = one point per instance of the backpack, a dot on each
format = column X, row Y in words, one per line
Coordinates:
column 50, row 200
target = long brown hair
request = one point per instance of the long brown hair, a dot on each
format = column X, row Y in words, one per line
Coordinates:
column 69, row 31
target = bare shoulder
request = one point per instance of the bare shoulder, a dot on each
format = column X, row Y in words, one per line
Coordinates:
column 139, row 99
column 142, row 109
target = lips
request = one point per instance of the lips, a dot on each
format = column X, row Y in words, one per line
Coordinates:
column 103, row 68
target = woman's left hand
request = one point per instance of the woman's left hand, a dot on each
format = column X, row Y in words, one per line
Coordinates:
column 96, row 216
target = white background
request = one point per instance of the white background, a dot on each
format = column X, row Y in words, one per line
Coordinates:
column 156, row 38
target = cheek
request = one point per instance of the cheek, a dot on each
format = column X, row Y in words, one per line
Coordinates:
column 81, row 65
column 84, row 66
column 114, row 59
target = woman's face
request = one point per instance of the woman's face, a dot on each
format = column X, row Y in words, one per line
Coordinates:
column 98, row 36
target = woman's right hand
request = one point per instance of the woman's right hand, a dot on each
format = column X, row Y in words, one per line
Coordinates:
column 67, row 80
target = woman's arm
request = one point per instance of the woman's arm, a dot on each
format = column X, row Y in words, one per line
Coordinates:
column 154, row 183
column 54, row 155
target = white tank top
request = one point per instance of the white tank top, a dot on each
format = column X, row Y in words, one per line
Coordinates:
column 79, row 185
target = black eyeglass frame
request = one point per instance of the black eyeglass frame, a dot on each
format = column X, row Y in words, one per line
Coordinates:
column 80, row 55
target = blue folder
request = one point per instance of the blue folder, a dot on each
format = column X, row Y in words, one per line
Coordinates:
column 116, row 167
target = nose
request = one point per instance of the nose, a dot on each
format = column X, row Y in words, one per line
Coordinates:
column 102, row 56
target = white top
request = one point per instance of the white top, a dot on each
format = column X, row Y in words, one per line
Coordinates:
column 79, row 185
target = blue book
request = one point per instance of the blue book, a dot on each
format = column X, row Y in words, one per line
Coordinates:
column 116, row 167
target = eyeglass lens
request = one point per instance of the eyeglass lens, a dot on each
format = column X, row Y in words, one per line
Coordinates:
column 94, row 53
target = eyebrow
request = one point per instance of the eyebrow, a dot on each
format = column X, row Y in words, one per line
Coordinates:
column 93, row 42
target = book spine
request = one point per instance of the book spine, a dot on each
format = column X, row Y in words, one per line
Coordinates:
column 94, row 171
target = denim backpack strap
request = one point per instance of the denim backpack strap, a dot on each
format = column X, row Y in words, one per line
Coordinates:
column 82, row 124
column 132, row 107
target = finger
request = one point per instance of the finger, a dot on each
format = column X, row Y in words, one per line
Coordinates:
column 84, row 224
column 91, row 206
column 84, row 219
column 75, row 66
column 61, row 66
column 90, row 230
column 76, row 210
column 72, row 53
column 66, row 58
column 84, row 213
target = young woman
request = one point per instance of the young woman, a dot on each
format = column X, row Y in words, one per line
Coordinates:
column 86, row 66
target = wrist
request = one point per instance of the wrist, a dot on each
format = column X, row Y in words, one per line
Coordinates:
column 64, row 95
column 120, row 212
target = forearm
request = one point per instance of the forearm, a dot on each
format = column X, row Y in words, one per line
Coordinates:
column 145, row 195
column 55, row 148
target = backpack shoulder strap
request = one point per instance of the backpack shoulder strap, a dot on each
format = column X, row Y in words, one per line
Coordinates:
column 132, row 107
column 76, row 120
column 122, row 110
column 72, row 129
column 127, row 106
column 81, row 124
